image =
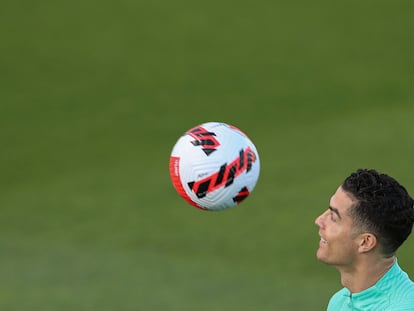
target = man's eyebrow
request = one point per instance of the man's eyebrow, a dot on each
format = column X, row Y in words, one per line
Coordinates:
column 335, row 210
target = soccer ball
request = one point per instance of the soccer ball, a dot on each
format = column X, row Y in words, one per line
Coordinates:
column 214, row 166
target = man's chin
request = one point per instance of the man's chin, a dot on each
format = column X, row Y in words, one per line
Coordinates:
column 320, row 256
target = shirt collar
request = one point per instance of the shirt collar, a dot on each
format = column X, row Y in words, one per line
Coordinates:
column 363, row 300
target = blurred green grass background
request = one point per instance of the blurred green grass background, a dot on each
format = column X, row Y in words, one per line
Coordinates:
column 94, row 94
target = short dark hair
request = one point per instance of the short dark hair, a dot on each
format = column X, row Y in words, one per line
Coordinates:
column 383, row 208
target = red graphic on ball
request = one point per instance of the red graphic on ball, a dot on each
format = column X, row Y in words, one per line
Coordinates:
column 225, row 176
column 205, row 139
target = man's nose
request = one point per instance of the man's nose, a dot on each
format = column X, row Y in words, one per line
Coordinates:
column 319, row 221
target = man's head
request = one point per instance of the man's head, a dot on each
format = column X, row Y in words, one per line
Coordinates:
column 382, row 207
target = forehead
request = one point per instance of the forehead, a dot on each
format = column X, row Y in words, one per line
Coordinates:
column 342, row 201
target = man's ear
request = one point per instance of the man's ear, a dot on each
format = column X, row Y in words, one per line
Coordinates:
column 367, row 242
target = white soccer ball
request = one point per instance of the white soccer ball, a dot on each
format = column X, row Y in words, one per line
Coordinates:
column 214, row 166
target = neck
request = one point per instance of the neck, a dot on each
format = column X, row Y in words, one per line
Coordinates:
column 364, row 274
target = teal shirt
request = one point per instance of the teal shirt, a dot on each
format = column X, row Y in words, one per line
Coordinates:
column 393, row 292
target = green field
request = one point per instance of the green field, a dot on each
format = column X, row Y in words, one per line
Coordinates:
column 93, row 96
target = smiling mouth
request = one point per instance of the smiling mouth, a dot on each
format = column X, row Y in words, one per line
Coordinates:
column 322, row 240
